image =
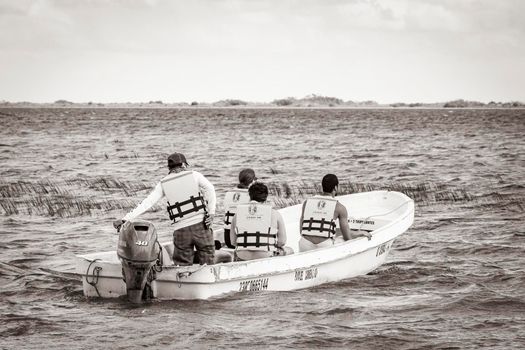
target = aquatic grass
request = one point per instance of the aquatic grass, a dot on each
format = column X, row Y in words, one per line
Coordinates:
column 69, row 198
column 80, row 197
column 423, row 194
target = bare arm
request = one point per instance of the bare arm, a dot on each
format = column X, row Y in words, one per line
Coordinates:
column 233, row 233
column 343, row 223
column 302, row 218
column 342, row 215
column 281, row 229
column 147, row 203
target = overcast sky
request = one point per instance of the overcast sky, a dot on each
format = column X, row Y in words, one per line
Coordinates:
column 255, row 50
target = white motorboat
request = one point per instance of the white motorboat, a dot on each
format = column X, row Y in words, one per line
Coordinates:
column 385, row 214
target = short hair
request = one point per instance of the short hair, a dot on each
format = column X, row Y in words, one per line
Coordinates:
column 258, row 192
column 172, row 165
column 246, row 177
column 329, row 182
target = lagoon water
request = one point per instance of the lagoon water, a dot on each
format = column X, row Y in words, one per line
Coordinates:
column 454, row 280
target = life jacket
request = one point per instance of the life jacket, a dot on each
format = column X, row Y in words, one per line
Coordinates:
column 318, row 217
column 254, row 227
column 184, row 199
column 231, row 200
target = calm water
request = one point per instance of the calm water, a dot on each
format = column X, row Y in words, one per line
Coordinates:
column 456, row 279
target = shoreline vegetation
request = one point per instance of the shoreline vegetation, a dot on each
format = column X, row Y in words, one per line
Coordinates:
column 310, row 101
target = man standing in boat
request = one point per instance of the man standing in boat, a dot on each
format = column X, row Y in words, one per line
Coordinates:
column 319, row 215
column 257, row 230
column 191, row 205
column 234, row 198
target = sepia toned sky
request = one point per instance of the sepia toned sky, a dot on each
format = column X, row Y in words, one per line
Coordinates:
column 255, row 50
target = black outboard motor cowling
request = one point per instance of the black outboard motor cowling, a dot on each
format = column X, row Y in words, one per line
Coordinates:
column 138, row 250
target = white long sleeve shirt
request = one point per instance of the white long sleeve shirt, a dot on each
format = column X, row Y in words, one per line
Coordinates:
column 158, row 193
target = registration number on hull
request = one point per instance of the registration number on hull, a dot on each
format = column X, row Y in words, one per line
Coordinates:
column 306, row 274
column 383, row 248
column 255, row 285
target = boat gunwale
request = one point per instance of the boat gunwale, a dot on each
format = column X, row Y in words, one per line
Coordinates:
column 191, row 269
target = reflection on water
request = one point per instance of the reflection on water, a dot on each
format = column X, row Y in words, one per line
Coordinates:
column 454, row 280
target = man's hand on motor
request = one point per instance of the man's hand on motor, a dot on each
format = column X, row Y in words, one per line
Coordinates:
column 118, row 223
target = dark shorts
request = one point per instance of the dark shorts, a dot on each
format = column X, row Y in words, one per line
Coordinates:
column 195, row 236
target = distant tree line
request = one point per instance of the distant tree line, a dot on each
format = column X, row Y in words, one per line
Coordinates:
column 462, row 104
column 312, row 100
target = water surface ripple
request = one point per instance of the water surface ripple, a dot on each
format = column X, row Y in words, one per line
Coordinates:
column 455, row 280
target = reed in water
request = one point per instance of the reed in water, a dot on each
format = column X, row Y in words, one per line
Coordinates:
column 78, row 197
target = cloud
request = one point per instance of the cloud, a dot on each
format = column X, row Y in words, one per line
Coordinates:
column 295, row 45
column 170, row 25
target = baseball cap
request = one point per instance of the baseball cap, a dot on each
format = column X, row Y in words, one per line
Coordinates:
column 176, row 159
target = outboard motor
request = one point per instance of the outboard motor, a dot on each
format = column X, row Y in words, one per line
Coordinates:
column 138, row 250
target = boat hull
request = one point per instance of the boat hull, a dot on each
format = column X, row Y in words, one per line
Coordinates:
column 342, row 261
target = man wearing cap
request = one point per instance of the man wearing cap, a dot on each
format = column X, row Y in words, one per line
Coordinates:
column 191, row 206
column 233, row 198
column 319, row 216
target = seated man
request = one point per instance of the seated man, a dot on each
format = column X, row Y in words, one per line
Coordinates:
column 232, row 199
column 319, row 215
column 258, row 230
